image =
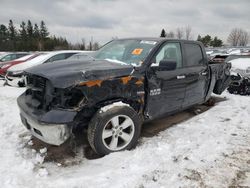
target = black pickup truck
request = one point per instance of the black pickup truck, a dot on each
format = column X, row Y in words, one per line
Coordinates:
column 128, row 82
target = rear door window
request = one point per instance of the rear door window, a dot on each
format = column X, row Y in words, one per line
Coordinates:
column 194, row 55
column 55, row 58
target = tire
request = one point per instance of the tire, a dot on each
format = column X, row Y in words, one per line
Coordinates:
column 115, row 130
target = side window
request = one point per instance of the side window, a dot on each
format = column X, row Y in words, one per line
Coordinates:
column 56, row 58
column 7, row 57
column 169, row 52
column 13, row 56
column 21, row 55
column 69, row 55
column 193, row 54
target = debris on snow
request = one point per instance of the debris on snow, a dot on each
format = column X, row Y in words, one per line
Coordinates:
column 30, row 143
column 43, row 150
column 42, row 172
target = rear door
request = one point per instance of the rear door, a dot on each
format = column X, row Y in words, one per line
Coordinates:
column 166, row 89
column 196, row 75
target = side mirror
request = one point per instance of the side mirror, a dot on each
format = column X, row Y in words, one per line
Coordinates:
column 167, row 65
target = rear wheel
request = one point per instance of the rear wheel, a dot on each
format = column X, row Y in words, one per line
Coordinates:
column 114, row 130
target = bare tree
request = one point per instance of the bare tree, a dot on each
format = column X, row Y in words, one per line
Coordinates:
column 83, row 44
column 238, row 37
column 170, row 35
column 179, row 33
column 188, row 31
column 243, row 39
column 234, row 37
column 95, row 46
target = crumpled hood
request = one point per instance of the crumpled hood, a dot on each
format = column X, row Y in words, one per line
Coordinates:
column 63, row 74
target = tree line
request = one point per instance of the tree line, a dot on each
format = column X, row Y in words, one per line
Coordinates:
column 237, row 37
column 36, row 37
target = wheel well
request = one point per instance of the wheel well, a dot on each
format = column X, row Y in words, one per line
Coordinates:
column 136, row 105
column 86, row 114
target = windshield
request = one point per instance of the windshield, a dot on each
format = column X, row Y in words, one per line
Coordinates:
column 128, row 51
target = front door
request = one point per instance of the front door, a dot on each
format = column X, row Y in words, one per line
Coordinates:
column 166, row 89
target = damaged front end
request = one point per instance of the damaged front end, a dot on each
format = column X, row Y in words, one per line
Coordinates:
column 51, row 113
column 41, row 113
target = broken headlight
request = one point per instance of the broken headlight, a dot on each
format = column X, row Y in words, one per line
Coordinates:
column 69, row 98
column 74, row 98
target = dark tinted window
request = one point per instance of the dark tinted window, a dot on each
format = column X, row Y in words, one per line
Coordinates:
column 20, row 55
column 69, row 55
column 194, row 55
column 59, row 57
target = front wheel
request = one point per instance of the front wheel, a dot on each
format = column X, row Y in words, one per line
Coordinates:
column 114, row 130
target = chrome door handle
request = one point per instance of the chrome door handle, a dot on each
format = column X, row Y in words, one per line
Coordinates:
column 203, row 73
column 181, row 77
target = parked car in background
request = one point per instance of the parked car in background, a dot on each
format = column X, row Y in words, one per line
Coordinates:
column 12, row 56
column 240, row 75
column 6, row 65
column 14, row 75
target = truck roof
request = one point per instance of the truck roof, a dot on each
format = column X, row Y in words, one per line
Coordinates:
column 158, row 39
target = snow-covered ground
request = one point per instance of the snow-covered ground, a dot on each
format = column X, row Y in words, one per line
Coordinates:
column 211, row 149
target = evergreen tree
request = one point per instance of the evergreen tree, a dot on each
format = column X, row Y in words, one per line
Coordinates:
column 22, row 31
column 3, row 37
column 12, row 35
column 37, row 37
column 22, row 44
column 163, row 33
column 205, row 40
column 43, row 30
column 36, row 32
column 29, row 29
column 12, row 30
column 29, row 38
column 208, row 41
column 216, row 42
column 3, row 33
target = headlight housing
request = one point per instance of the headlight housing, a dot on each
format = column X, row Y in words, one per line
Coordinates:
column 17, row 73
column 69, row 99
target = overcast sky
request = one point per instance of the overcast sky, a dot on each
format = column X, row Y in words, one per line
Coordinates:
column 104, row 19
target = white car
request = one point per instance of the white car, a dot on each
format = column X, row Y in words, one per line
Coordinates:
column 241, row 66
column 14, row 76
